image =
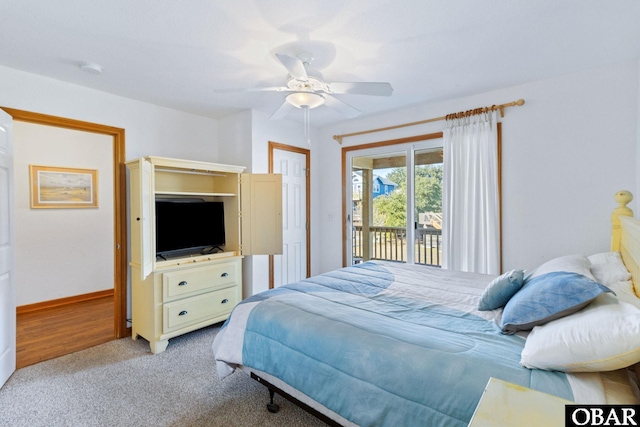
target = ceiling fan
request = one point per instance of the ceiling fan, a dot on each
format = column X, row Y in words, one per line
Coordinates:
column 307, row 92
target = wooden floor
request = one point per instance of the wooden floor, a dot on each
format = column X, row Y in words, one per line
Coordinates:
column 56, row 331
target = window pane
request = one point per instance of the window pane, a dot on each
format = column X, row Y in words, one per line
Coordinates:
column 428, row 206
column 379, row 207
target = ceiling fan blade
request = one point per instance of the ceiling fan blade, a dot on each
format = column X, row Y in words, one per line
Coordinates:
column 254, row 89
column 294, row 66
column 281, row 112
column 341, row 107
column 361, row 88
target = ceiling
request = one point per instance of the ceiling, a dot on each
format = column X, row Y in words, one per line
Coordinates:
column 178, row 53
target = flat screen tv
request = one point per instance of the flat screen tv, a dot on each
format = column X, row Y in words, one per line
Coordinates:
column 188, row 226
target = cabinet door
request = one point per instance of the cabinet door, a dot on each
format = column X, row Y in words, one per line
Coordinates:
column 141, row 204
column 261, row 214
column 148, row 222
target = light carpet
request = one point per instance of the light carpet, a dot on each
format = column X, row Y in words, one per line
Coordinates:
column 121, row 383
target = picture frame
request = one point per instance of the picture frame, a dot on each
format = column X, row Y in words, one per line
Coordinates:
column 61, row 187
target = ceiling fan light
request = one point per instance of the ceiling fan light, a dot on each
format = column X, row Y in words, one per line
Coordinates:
column 305, row 99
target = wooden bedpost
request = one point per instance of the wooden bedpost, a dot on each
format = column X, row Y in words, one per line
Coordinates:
column 622, row 197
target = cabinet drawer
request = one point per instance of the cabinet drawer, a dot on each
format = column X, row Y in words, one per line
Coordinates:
column 186, row 312
column 179, row 284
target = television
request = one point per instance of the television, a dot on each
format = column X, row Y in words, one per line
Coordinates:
column 188, row 226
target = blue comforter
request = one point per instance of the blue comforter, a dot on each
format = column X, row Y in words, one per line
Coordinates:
column 381, row 344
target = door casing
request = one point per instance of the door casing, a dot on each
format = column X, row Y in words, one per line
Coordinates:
column 119, row 201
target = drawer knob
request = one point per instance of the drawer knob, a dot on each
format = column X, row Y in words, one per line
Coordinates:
column 182, row 313
column 224, row 274
column 183, row 283
column 224, row 301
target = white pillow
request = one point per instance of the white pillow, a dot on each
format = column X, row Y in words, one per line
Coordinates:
column 607, row 268
column 570, row 263
column 604, row 336
column 624, row 292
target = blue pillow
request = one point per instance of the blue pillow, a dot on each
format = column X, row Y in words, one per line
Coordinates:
column 548, row 297
column 501, row 289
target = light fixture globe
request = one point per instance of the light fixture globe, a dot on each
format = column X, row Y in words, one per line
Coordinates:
column 307, row 100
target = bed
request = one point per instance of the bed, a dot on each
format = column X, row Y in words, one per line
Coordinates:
column 388, row 344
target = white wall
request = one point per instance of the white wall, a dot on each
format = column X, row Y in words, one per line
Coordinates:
column 234, row 136
column 149, row 130
column 565, row 153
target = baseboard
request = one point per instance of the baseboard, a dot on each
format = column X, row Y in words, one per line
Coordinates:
column 45, row 305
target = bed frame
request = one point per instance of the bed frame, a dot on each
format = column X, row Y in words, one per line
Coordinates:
column 273, row 407
column 625, row 238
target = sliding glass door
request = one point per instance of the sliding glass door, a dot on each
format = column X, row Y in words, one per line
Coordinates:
column 427, row 205
column 394, row 203
column 378, row 208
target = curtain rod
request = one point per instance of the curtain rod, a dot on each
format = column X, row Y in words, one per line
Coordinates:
column 500, row 107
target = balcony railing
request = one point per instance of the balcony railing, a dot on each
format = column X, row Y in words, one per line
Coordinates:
column 390, row 243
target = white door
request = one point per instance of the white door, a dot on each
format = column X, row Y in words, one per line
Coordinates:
column 291, row 266
column 7, row 286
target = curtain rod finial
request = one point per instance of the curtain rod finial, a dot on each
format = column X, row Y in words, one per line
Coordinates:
column 520, row 102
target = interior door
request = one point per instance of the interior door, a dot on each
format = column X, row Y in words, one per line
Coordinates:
column 291, row 266
column 7, row 285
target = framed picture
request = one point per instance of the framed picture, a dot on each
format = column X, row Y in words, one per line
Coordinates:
column 54, row 187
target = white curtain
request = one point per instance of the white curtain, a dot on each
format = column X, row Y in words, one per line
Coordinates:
column 470, row 206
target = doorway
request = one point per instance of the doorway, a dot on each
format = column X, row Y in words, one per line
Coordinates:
column 294, row 264
column 116, row 136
